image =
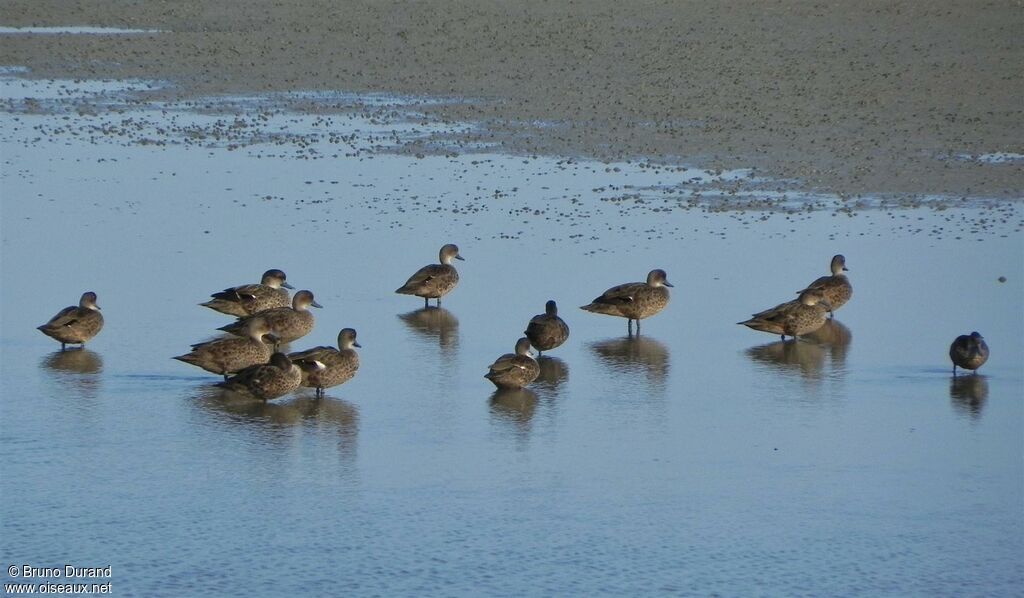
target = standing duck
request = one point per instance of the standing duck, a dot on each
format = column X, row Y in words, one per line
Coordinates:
column 75, row 325
column 266, row 381
column 836, row 288
column 793, row 318
column 634, row 300
column 324, row 367
column 228, row 355
column 547, row 331
column 969, row 352
column 249, row 299
column 286, row 323
column 514, row 370
column 435, row 280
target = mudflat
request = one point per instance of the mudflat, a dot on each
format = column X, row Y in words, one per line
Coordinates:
column 847, row 97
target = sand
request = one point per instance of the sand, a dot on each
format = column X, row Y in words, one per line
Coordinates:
column 846, row 97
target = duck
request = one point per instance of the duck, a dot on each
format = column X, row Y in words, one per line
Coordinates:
column 74, row 325
column 324, row 367
column 514, row 370
column 836, row 288
column 229, row 355
column 286, row 323
column 266, row 381
column 634, row 300
column 435, row 280
column 547, row 331
column 249, row 299
column 794, row 318
column 968, row 351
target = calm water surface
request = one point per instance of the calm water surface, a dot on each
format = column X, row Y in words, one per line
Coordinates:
column 701, row 458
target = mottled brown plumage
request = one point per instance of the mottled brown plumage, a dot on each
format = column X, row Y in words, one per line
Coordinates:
column 969, row 352
column 792, row 318
column 324, row 367
column 228, row 355
column 634, row 300
column 836, row 289
column 286, row 323
column 75, row 324
column 435, row 280
column 248, row 299
column 266, row 381
column 514, row 370
column 547, row 331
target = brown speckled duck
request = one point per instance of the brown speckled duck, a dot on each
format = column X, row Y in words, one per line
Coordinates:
column 249, row 299
column 228, row 355
column 286, row 323
column 268, row 380
column 969, row 352
column 324, row 367
column 75, row 324
column 436, row 280
column 634, row 300
column 547, row 331
column 792, row 318
column 514, row 370
column 836, row 289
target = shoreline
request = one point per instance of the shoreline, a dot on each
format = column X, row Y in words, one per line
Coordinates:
column 853, row 100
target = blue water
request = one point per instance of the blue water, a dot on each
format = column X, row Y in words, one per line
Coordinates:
column 699, row 459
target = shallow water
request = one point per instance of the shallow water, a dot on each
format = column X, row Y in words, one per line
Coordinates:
column 700, row 458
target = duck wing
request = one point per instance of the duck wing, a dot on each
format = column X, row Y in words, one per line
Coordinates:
column 623, row 294
column 65, row 317
column 818, row 284
column 504, row 363
column 423, row 276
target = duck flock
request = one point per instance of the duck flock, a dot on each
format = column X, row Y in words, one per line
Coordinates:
column 267, row 317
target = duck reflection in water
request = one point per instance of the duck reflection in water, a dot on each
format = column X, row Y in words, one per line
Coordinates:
column 76, row 361
column 807, row 354
column 553, row 372
column 305, row 409
column 635, row 354
column 514, row 406
column 436, row 324
column 968, row 394
column 836, row 338
column 76, row 370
